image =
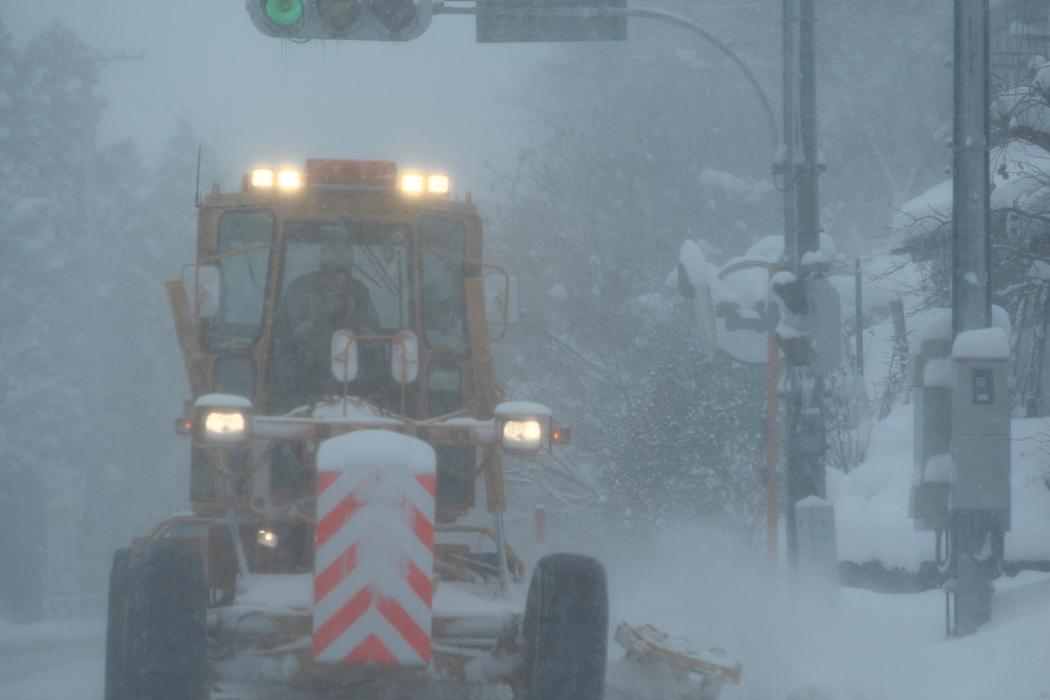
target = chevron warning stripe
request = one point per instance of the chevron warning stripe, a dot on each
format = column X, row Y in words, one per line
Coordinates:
column 374, row 551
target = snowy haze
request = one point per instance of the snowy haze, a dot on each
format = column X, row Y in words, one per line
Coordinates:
column 599, row 169
column 438, row 102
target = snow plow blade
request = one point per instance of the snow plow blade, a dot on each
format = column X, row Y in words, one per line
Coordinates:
column 646, row 643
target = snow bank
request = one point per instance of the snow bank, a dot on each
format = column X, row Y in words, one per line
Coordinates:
column 871, row 502
column 697, row 269
column 869, row 646
column 1015, row 174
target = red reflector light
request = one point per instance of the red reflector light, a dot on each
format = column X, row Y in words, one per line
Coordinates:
column 183, row 426
column 367, row 173
column 561, row 435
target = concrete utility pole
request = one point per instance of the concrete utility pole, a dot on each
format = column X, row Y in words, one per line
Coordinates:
column 817, row 353
column 971, row 221
column 790, row 112
column 808, row 230
column 979, row 510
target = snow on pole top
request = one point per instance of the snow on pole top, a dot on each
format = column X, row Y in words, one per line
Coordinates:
column 982, row 344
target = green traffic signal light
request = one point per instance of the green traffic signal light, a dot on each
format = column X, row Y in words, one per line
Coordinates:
column 284, row 13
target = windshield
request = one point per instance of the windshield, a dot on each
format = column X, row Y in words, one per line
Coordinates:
column 324, row 257
column 342, row 275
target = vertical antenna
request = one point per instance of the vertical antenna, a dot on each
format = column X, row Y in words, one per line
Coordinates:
column 197, row 187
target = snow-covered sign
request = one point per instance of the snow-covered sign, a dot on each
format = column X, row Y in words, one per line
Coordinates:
column 733, row 306
column 744, row 282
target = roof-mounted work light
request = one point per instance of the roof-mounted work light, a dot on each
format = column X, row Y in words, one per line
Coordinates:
column 283, row 179
column 437, row 184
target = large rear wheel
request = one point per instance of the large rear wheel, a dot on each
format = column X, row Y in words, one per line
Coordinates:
column 167, row 625
column 566, row 629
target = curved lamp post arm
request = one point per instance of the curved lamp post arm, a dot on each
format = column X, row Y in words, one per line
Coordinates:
column 685, row 23
column 446, row 7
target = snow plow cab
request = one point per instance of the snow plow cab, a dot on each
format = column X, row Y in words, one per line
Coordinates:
column 347, row 433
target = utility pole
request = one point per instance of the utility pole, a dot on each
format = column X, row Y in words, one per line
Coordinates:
column 786, row 157
column 809, row 334
column 971, row 293
column 979, row 506
column 808, row 229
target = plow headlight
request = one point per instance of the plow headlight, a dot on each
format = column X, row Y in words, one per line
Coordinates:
column 523, row 427
column 222, row 418
column 225, row 424
column 523, row 435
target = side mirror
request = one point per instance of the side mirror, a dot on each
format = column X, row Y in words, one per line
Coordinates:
column 208, row 291
column 344, row 356
column 404, row 357
column 501, row 299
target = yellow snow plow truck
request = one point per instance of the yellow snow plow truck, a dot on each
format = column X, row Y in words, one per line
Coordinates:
column 336, row 329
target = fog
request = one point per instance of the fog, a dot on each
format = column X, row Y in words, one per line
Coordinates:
column 438, row 102
column 636, row 193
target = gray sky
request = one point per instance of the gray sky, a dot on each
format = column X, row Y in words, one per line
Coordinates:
column 440, row 101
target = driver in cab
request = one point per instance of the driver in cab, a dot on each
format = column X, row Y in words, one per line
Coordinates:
column 316, row 305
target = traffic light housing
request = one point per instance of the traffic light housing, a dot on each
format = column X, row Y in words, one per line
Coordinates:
column 369, row 20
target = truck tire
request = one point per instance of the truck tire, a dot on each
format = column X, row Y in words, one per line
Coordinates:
column 566, row 629
column 167, row 630
column 116, row 645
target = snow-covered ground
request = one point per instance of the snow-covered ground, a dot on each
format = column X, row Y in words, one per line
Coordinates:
column 860, row 646
column 871, row 502
column 54, row 660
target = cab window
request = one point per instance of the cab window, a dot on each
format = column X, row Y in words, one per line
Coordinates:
column 443, row 242
column 244, row 239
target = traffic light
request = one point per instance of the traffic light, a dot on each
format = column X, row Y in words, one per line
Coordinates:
column 374, row 20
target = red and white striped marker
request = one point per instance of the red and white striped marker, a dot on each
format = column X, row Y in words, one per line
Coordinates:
column 374, row 555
